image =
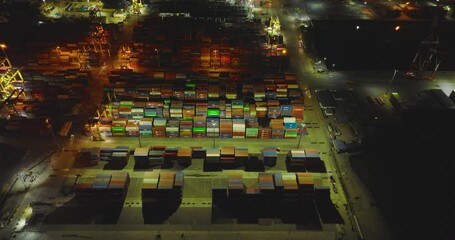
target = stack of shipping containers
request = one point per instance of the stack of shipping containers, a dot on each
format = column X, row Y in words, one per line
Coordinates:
column 277, row 127
column 290, row 186
column 89, row 156
column 213, row 127
column 238, row 128
column 156, row 156
column 235, row 185
column 111, row 187
column 212, row 156
column 306, row 183
column 241, row 155
column 227, row 156
column 269, row 156
column 266, row 184
column 159, row 128
column 296, row 158
column 226, row 128
column 186, row 129
column 141, row 158
column 162, row 186
column 290, row 126
column 199, row 127
column 184, row 155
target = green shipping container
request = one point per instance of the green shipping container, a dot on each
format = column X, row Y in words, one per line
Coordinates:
column 213, row 112
column 199, row 129
column 118, row 129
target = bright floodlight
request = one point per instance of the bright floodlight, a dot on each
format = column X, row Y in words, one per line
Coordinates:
column 357, row 27
column 397, row 28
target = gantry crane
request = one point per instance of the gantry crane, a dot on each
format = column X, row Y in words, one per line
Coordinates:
column 427, row 59
column 100, row 42
column 5, row 63
column 97, row 43
column 11, row 84
column 275, row 24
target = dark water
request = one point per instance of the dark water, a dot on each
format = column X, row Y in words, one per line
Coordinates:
column 377, row 46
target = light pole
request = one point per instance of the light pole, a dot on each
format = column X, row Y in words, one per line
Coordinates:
column 49, row 126
column 139, row 135
column 3, row 46
column 213, row 125
column 158, row 55
column 302, row 126
column 390, row 81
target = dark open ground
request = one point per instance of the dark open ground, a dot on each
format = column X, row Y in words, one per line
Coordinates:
column 409, row 168
column 377, row 46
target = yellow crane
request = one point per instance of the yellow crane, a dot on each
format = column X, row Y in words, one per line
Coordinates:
column 137, row 5
column 9, row 75
column 275, row 24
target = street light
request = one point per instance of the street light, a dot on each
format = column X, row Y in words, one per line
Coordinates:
column 391, row 80
column 139, row 135
column 3, row 46
column 213, row 125
column 302, row 126
column 49, row 126
column 158, row 55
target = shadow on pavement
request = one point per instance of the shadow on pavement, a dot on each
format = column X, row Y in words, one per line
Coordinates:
column 327, row 211
column 253, row 210
column 99, row 211
column 158, row 212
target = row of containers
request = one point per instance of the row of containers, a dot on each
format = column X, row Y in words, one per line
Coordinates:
column 204, row 57
column 212, row 86
column 117, row 157
column 224, row 156
column 220, row 109
column 303, row 158
column 155, row 30
column 277, row 185
column 145, row 157
column 62, row 86
column 158, row 185
column 69, row 53
column 107, row 186
column 185, row 46
column 199, row 127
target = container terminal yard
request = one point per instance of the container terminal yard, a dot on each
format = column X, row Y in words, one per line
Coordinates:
column 225, row 120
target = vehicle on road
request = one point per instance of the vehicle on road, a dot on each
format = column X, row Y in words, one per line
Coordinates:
column 320, row 66
column 328, row 111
